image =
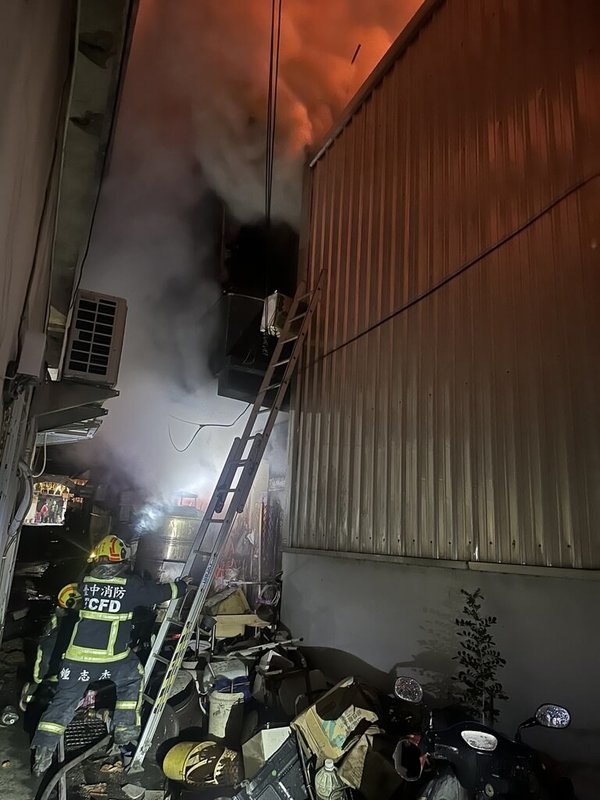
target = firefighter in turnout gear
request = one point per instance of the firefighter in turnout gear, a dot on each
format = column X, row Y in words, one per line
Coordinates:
column 99, row 648
column 54, row 641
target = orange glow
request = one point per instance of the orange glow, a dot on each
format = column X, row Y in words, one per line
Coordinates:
column 213, row 61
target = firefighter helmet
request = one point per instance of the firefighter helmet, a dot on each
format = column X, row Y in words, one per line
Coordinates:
column 110, row 550
column 69, row 596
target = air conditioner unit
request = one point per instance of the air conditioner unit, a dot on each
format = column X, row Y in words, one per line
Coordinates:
column 95, row 338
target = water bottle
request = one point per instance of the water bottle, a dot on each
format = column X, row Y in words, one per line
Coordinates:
column 9, row 716
column 328, row 783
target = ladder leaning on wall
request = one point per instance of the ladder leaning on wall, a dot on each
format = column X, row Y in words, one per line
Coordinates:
column 227, row 501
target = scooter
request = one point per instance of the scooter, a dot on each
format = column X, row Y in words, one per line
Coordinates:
column 471, row 761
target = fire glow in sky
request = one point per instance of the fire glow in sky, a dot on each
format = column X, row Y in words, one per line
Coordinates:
column 193, row 118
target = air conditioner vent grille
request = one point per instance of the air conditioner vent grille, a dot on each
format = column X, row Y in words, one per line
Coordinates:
column 95, row 341
column 95, row 325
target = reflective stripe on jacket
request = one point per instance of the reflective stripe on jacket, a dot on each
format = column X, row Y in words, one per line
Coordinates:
column 53, row 643
column 103, row 631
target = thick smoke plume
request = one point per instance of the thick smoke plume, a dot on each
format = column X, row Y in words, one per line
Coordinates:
column 220, row 65
column 193, row 119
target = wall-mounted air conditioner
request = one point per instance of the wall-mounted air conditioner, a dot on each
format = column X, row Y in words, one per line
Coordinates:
column 95, row 338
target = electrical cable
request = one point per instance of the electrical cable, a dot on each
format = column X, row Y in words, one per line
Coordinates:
column 201, row 426
column 77, row 27
column 458, row 272
column 41, row 472
column 62, row 123
column 271, row 107
column 271, row 129
column 269, row 113
column 17, row 521
column 274, row 104
column 109, row 139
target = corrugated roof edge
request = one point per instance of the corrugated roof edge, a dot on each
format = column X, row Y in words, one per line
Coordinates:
column 400, row 45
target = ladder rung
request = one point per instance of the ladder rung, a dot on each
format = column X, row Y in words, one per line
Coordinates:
column 239, row 494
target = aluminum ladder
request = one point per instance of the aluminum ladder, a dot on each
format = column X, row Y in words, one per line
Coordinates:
column 227, row 501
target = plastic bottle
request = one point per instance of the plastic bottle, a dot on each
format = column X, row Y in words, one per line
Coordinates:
column 9, row 716
column 328, row 783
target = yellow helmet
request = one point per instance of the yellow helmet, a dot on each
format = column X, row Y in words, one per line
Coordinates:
column 111, row 550
column 69, row 596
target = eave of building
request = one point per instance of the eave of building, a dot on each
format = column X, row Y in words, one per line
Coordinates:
column 105, row 29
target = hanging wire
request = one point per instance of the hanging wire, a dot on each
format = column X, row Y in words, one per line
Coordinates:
column 273, row 84
column 41, row 472
column 274, row 53
column 201, row 426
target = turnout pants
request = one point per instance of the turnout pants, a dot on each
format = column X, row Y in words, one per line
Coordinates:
column 73, row 680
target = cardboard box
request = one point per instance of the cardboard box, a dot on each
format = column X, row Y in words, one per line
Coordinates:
column 257, row 750
column 336, row 721
column 230, row 625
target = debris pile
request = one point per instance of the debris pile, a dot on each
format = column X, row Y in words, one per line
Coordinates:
column 268, row 725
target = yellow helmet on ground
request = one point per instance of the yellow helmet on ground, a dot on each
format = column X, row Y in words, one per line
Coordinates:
column 110, row 550
column 69, row 596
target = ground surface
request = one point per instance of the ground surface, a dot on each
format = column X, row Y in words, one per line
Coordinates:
column 16, row 780
column 15, row 776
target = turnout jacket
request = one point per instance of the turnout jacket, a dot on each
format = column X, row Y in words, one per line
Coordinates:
column 103, row 631
column 53, row 643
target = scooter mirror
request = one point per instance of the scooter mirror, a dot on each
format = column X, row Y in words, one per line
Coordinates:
column 408, row 689
column 551, row 716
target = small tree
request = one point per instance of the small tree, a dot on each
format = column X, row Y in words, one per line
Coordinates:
column 479, row 660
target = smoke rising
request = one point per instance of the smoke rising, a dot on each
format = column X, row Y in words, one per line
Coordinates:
column 220, row 65
column 192, row 125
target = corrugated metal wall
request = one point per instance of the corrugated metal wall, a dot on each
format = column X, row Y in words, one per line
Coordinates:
column 464, row 427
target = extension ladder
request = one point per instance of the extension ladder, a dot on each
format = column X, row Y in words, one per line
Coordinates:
column 227, row 501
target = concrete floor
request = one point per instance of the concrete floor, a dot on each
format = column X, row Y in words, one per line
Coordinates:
column 16, row 780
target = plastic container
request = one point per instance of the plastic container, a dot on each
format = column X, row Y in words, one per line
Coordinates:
column 9, row 715
column 226, row 716
column 328, row 784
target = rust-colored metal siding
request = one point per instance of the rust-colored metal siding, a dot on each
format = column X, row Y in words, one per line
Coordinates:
column 456, row 214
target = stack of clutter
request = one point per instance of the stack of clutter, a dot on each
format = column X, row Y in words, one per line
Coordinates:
column 270, row 729
column 249, row 689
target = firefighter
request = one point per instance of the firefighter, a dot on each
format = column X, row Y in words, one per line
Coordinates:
column 54, row 641
column 99, row 649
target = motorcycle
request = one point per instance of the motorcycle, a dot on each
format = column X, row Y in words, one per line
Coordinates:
column 471, row 761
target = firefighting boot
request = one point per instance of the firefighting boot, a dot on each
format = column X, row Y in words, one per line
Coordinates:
column 127, row 752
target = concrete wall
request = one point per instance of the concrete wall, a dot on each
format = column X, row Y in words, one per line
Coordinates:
column 368, row 617
column 34, row 65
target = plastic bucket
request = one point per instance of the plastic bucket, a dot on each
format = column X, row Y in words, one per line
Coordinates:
column 226, row 715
